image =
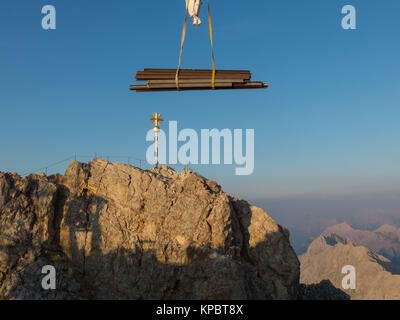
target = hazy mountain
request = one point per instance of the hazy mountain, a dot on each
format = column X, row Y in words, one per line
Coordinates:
column 376, row 276
column 372, row 220
column 304, row 230
column 308, row 217
column 385, row 240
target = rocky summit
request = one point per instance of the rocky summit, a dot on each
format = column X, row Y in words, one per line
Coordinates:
column 113, row 231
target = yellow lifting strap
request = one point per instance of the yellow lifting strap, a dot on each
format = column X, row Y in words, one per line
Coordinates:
column 180, row 54
column 212, row 47
column 183, row 41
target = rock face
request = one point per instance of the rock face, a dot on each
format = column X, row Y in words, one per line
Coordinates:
column 324, row 290
column 113, row 231
column 377, row 278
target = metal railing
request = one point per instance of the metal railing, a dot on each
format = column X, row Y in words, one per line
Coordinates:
column 61, row 165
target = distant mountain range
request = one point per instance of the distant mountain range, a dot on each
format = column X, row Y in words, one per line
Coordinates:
column 304, row 228
column 385, row 240
column 376, row 276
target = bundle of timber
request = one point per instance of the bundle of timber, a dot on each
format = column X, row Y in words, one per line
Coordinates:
column 167, row 80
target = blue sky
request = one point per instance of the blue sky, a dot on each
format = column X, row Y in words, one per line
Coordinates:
column 328, row 124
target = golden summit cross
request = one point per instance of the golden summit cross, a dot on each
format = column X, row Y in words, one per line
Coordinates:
column 156, row 119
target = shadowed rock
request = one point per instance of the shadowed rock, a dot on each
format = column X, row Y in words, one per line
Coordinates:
column 324, row 290
column 117, row 232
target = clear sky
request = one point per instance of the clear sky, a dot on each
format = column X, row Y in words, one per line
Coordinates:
column 328, row 124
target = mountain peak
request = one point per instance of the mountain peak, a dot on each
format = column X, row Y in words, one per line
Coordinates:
column 384, row 240
column 376, row 276
column 339, row 228
column 387, row 228
column 113, row 231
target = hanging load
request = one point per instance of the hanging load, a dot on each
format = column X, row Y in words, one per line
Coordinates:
column 193, row 7
column 164, row 80
column 188, row 79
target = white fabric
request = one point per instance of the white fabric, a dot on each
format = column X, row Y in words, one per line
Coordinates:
column 194, row 10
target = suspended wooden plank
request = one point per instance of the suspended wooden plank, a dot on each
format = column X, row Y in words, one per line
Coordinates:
column 169, row 74
column 145, row 88
column 194, row 81
column 188, row 85
column 195, row 70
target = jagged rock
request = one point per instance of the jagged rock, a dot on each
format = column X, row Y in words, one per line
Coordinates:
column 324, row 290
column 384, row 241
column 117, row 232
column 376, row 277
